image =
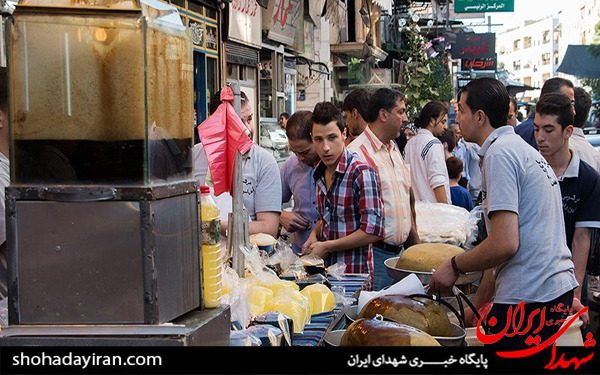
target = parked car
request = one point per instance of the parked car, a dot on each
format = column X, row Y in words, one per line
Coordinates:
column 593, row 136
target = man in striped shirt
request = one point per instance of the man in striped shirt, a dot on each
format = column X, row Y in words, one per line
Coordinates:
column 348, row 198
column 386, row 116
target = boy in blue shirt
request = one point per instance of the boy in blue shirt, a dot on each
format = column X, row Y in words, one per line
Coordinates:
column 459, row 195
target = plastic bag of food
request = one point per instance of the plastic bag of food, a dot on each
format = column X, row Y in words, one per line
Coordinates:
column 237, row 296
column 321, row 296
column 336, row 270
column 445, row 223
column 255, row 265
column 293, row 306
column 259, row 296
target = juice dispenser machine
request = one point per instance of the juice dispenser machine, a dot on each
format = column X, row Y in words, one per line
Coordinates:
column 102, row 209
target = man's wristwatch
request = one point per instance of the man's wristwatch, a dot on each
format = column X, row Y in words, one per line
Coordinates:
column 457, row 272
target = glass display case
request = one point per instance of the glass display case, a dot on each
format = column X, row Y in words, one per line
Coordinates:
column 104, row 97
column 273, row 139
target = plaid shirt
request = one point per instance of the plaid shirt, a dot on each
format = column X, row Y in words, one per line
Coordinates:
column 353, row 202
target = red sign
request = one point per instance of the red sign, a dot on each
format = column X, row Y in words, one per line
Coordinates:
column 478, row 64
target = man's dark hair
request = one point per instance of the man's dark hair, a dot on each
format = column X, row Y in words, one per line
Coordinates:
column 490, row 96
column 325, row 112
column 286, row 115
column 513, row 101
column 432, row 110
column 454, row 166
column 449, row 138
column 382, row 99
column 215, row 101
column 555, row 85
column 557, row 104
column 299, row 126
column 583, row 104
column 359, row 99
column 3, row 91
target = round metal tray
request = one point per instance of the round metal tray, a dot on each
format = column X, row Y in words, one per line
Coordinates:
column 399, row 274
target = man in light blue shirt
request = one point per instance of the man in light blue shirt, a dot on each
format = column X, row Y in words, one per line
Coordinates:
column 297, row 180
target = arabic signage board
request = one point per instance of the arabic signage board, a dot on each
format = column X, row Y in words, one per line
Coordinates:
column 478, row 64
column 282, row 19
column 483, row 6
column 244, row 22
column 474, row 46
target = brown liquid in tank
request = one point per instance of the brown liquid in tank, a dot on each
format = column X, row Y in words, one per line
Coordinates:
column 99, row 162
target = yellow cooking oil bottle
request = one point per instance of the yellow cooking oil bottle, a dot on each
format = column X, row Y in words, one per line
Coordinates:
column 211, row 249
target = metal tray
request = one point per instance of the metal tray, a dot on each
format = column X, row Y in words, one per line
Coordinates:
column 399, row 274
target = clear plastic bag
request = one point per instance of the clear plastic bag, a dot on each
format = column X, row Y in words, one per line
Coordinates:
column 445, row 223
column 336, row 270
column 237, row 296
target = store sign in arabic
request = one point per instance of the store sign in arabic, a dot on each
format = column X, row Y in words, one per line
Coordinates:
column 480, row 6
column 282, row 19
column 478, row 64
column 245, row 19
column 474, row 46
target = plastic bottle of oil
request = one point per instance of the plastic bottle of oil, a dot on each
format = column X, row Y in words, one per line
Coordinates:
column 211, row 249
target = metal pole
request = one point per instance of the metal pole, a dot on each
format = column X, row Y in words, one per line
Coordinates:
column 238, row 231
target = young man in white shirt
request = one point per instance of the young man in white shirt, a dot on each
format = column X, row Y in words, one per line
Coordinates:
column 425, row 154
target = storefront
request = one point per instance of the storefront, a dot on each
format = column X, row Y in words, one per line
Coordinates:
column 202, row 19
column 242, row 49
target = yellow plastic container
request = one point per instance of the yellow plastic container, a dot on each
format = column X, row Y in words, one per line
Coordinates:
column 211, row 249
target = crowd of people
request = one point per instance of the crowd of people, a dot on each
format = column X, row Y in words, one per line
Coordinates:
column 356, row 172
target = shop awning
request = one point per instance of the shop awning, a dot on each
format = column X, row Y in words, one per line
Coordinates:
column 580, row 62
column 515, row 87
column 359, row 49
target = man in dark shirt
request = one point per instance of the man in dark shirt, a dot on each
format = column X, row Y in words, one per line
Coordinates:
column 556, row 84
column 579, row 183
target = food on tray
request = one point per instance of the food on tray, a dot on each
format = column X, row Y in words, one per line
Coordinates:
column 373, row 332
column 262, row 239
column 321, row 296
column 426, row 256
column 420, row 313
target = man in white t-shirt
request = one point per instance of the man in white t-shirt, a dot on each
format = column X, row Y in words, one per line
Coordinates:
column 261, row 180
column 425, row 154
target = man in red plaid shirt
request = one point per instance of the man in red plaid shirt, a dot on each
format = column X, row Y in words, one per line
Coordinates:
column 348, row 198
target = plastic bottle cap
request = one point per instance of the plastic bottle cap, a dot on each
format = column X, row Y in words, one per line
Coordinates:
column 204, row 189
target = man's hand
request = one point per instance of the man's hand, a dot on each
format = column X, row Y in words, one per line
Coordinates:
column 585, row 317
column 443, row 278
column 311, row 239
column 319, row 249
column 293, row 222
